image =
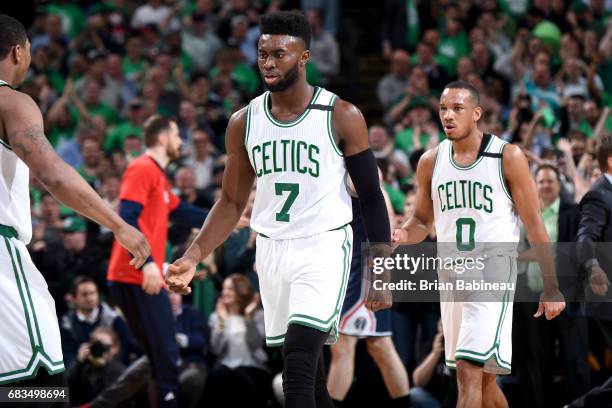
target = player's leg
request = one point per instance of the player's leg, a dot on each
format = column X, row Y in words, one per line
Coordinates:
column 492, row 395
column 390, row 365
column 469, row 384
column 342, row 366
column 302, row 349
column 322, row 398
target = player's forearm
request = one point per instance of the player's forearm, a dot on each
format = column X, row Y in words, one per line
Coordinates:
column 65, row 184
column 219, row 224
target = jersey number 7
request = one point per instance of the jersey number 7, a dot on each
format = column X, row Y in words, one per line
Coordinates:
column 294, row 190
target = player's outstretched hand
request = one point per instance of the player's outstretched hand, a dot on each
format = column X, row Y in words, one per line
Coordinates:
column 551, row 305
column 136, row 244
column 180, row 273
column 599, row 282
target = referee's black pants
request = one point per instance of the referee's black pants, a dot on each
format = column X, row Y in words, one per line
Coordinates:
column 151, row 321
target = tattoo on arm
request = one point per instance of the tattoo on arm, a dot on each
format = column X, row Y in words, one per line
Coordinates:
column 28, row 142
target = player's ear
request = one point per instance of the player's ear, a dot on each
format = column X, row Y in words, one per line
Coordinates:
column 17, row 53
column 477, row 113
column 304, row 58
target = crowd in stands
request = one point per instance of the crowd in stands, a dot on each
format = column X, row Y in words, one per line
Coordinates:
column 100, row 68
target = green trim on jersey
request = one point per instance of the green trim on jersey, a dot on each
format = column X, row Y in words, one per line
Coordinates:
column 325, row 325
column 501, row 172
column 494, row 350
column 296, row 120
column 39, row 356
column 433, row 173
column 247, row 127
column 3, row 143
column 21, row 296
column 313, row 322
column 471, row 166
column 330, row 126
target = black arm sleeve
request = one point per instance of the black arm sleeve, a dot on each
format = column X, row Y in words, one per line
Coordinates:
column 364, row 172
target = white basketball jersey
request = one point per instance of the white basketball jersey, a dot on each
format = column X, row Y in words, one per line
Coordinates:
column 472, row 204
column 300, row 171
column 14, row 191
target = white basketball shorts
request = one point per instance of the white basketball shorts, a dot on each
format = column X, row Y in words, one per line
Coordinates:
column 303, row 281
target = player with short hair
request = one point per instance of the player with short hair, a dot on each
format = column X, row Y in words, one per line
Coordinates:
column 30, row 336
column 299, row 142
column 472, row 185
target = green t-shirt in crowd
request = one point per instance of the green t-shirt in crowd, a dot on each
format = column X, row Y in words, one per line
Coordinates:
column 397, row 198
column 116, row 137
column 451, row 49
column 404, row 140
column 73, row 19
column 245, row 77
column 109, row 114
column 131, row 70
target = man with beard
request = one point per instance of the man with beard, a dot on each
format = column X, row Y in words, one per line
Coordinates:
column 146, row 202
column 298, row 141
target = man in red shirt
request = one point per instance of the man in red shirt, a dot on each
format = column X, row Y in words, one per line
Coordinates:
column 146, row 202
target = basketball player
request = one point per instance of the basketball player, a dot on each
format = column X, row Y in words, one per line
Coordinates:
column 288, row 139
column 357, row 321
column 499, row 184
column 30, row 336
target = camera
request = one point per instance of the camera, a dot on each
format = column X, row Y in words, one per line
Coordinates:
column 97, row 348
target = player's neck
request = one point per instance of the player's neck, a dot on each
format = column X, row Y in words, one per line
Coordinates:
column 468, row 144
column 8, row 76
column 293, row 99
column 159, row 155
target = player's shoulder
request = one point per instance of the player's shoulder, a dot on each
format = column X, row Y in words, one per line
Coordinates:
column 16, row 101
column 344, row 110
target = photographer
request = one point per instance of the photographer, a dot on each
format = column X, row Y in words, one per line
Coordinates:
column 434, row 385
column 97, row 366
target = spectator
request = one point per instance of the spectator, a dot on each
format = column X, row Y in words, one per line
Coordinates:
column 97, row 366
column 191, row 336
column 237, row 339
column 324, row 50
column 434, row 384
column 390, row 87
column 200, row 43
column 203, row 158
column 47, row 230
column 136, row 115
column 561, row 220
column 156, row 13
column 89, row 314
column 595, row 227
column 244, row 38
column 185, row 182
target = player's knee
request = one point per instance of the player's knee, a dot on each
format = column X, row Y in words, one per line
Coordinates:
column 469, row 374
column 343, row 349
column 378, row 347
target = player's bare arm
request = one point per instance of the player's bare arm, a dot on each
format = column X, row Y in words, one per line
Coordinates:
column 237, row 183
column 416, row 228
column 524, row 194
column 23, row 126
column 352, row 132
